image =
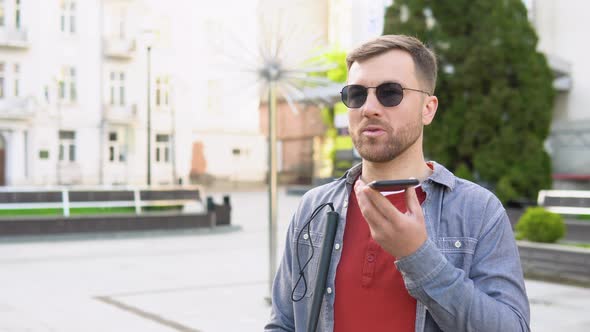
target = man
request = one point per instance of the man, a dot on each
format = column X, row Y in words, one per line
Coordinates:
column 438, row 257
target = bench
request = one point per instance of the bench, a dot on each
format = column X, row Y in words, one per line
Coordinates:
column 68, row 198
column 570, row 204
column 565, row 202
column 195, row 212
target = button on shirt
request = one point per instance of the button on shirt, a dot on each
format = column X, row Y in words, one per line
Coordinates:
column 370, row 292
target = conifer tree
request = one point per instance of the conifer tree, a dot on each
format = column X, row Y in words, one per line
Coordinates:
column 495, row 91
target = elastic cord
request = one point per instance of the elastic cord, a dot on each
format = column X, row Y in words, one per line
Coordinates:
column 302, row 268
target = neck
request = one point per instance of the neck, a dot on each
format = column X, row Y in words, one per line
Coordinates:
column 409, row 164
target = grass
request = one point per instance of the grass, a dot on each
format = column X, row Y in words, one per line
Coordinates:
column 162, row 208
column 84, row 211
column 31, row 212
column 92, row 211
column 579, row 245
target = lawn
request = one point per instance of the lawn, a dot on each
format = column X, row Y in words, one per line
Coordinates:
column 83, row 211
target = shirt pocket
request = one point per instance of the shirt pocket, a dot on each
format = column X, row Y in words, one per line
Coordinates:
column 458, row 250
column 305, row 250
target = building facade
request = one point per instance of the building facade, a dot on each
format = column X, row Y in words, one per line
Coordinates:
column 76, row 77
column 45, row 111
column 83, row 84
column 561, row 27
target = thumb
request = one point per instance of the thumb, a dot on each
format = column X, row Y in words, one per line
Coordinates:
column 412, row 202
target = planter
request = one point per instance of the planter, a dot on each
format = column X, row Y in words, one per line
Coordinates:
column 554, row 262
column 216, row 215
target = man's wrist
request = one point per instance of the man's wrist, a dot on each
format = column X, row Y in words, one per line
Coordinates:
column 410, row 251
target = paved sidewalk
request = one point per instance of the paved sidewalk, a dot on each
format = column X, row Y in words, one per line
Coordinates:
column 195, row 280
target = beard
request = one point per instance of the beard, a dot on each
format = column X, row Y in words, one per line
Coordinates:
column 383, row 149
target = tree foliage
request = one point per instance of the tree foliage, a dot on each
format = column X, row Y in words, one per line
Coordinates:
column 495, row 90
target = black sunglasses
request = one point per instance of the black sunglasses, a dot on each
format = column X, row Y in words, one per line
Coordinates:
column 389, row 94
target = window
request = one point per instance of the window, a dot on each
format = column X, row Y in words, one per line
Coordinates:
column 112, row 98
column 2, row 9
column 63, row 16
column 117, row 148
column 16, row 79
column 67, row 146
column 122, row 27
column 68, row 16
column 162, row 148
column 73, row 93
column 2, row 75
column 162, row 91
column 17, row 14
column 112, row 147
column 121, row 88
column 158, row 90
column 62, row 90
column 43, row 154
column 117, row 88
column 166, row 92
column 67, row 84
column 72, row 17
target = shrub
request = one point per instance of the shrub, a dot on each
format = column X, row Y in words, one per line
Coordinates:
column 540, row 225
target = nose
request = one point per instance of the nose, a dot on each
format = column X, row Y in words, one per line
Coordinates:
column 372, row 106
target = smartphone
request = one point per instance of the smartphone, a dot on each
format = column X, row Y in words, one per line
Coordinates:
column 393, row 185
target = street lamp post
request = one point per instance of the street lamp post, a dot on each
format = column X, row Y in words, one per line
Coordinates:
column 149, row 116
column 283, row 68
column 271, row 72
column 272, row 178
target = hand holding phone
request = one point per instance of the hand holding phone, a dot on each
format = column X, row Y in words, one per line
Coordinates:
column 393, row 185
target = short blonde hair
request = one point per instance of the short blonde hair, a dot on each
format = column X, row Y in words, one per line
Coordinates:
column 424, row 58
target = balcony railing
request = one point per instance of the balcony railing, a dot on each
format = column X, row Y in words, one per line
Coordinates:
column 122, row 114
column 19, row 108
column 13, row 37
column 119, row 48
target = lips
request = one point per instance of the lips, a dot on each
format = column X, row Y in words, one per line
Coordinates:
column 372, row 131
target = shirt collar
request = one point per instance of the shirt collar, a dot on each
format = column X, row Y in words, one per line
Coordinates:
column 443, row 176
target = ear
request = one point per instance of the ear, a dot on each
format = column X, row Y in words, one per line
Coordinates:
column 429, row 109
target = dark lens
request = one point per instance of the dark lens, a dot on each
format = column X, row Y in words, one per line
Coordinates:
column 354, row 96
column 390, row 94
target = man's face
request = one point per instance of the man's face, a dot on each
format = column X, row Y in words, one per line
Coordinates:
column 380, row 133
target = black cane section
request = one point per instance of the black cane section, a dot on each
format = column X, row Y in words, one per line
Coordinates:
column 325, row 258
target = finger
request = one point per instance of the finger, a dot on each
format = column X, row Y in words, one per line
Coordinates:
column 382, row 214
column 412, row 202
column 372, row 215
column 388, row 210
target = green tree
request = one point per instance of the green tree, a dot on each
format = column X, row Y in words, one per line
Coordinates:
column 495, row 90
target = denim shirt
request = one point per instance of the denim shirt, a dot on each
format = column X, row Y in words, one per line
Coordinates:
column 466, row 276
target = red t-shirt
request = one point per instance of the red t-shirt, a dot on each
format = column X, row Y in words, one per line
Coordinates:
column 370, row 292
